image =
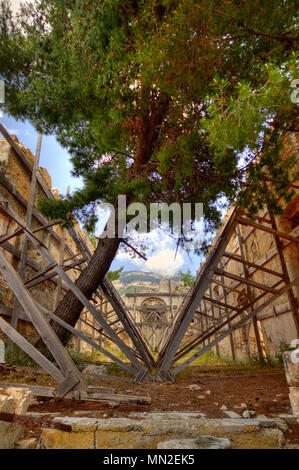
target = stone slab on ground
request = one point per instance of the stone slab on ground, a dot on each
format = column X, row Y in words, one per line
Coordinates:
column 148, row 430
column 96, row 371
column 248, row 414
column 194, row 387
column 288, row 418
column 202, row 442
column 232, row 414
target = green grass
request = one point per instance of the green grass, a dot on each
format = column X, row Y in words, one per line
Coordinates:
column 15, row 356
column 80, row 359
column 210, row 362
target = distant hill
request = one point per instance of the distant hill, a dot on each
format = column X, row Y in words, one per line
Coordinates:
column 142, row 281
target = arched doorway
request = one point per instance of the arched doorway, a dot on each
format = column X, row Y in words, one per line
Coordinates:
column 153, row 320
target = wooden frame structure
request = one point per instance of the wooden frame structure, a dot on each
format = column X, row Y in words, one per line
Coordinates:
column 229, row 317
column 139, row 358
column 214, row 316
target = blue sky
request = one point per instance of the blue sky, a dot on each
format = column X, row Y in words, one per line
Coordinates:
column 161, row 248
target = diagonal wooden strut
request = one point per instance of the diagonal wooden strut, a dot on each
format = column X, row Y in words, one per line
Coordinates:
column 201, row 292
column 51, row 340
column 140, row 369
column 124, row 317
column 201, row 284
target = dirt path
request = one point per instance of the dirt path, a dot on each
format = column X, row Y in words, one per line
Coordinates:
column 264, row 391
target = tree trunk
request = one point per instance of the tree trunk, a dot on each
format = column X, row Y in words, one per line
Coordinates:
column 69, row 309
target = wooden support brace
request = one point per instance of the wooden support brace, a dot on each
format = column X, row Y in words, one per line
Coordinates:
column 41, row 324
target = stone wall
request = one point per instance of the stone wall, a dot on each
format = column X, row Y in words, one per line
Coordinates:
column 275, row 322
column 291, row 365
column 154, row 311
column 15, row 188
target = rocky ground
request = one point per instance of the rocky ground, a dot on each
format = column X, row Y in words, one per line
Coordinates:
column 208, row 392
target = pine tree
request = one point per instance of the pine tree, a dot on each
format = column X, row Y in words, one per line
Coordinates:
column 173, row 101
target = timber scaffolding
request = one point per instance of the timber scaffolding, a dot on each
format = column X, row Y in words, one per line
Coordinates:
column 180, row 339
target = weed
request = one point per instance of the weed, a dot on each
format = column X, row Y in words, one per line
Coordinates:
column 15, row 356
column 283, row 347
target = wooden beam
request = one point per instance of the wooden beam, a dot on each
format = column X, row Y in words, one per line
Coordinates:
column 41, row 324
column 91, row 394
column 16, row 306
column 220, row 304
column 257, row 285
column 211, row 331
column 85, row 338
column 27, row 347
column 203, row 280
column 250, row 296
column 231, row 338
column 251, row 264
column 61, row 260
column 291, row 296
column 13, row 190
column 244, row 221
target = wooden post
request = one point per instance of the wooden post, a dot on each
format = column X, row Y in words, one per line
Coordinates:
column 286, row 277
column 61, row 260
column 205, row 276
column 213, row 315
column 250, row 297
column 40, row 322
column 231, row 338
column 30, row 206
column 235, row 326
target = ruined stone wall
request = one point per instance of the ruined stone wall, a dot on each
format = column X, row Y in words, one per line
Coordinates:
column 275, row 322
column 154, row 311
column 15, row 188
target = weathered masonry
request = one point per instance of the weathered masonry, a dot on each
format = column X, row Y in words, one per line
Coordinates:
column 266, row 259
column 154, row 311
column 15, row 186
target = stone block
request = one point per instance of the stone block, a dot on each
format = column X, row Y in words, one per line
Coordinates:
column 294, row 399
column 291, row 369
column 148, row 430
column 96, row 371
column 21, row 397
column 31, row 443
column 56, row 439
column 7, row 403
column 9, row 434
column 288, row 418
column 202, row 442
column 12, row 400
column 233, row 414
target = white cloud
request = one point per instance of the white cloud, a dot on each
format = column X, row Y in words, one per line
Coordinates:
column 164, row 263
column 1, row 114
column 13, row 131
column 161, row 261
